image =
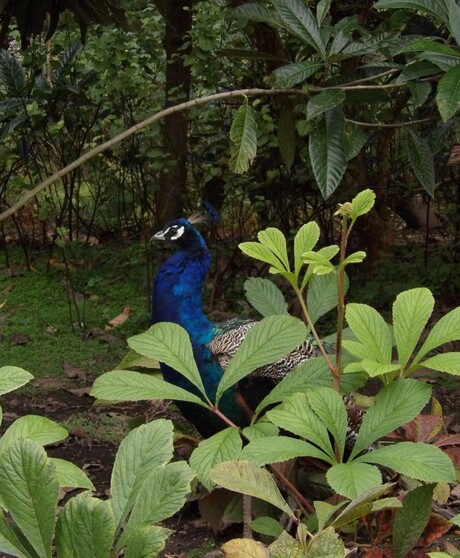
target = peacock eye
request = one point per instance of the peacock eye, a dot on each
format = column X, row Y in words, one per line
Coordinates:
column 175, row 232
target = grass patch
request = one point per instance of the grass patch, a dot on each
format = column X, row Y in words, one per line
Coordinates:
column 52, row 315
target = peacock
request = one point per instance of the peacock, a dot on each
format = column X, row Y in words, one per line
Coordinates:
column 177, row 298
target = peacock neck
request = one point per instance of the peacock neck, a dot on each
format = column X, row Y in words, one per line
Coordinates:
column 177, row 293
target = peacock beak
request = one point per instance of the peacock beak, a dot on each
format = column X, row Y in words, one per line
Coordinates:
column 160, row 235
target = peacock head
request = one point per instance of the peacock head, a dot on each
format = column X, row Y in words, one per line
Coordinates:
column 182, row 233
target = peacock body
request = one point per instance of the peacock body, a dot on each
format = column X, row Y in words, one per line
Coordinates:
column 177, row 297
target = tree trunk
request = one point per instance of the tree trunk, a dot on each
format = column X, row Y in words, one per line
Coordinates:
column 177, row 16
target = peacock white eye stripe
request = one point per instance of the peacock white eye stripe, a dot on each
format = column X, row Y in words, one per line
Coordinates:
column 179, row 233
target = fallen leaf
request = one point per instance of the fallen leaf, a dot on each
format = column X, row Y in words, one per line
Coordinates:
column 19, row 339
column 105, row 337
column 73, row 372
column 244, row 548
column 120, row 319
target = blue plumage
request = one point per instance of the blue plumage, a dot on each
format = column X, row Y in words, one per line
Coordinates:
column 177, row 297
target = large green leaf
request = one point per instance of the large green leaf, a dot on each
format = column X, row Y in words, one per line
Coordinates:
column 269, row 340
column 71, row 476
column 435, row 8
column 169, row 343
column 85, row 528
column 354, row 140
column 454, row 20
column 421, row 160
column 275, row 241
column 29, row 490
column 304, row 241
column 351, row 479
column 447, row 329
column 327, row 152
column 329, row 407
column 13, row 377
column 274, row 449
column 296, row 72
column 411, row 519
column 41, row 430
column 243, row 135
column 265, row 296
column 394, row 405
column 326, row 544
column 127, row 385
column 147, row 542
column 163, row 493
column 223, row 446
column 298, row 19
column 444, row 362
column 247, row 478
column 411, row 311
column 448, row 93
column 9, row 540
column 326, row 100
column 296, row 415
column 370, row 328
column 12, row 75
column 145, row 448
column 423, row 462
column 322, row 295
column 260, row 252
column 256, row 12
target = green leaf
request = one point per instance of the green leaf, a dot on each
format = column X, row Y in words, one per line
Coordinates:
column 322, row 295
column 267, row 526
column 354, row 140
column 351, row 479
column 454, row 20
column 444, row 362
column 71, row 476
column 411, row 311
column 322, row 10
column 356, row 257
column 256, row 12
column 374, row 368
column 324, row 101
column 243, row 135
column 419, row 91
column 275, row 241
column 411, row 519
column 395, row 404
column 265, row 296
column 9, row 540
column 269, row 340
column 296, row 72
column 274, row 449
column 145, row 448
column 362, row 203
column 370, row 328
column 444, row 331
column 126, row 385
column 423, row 462
column 286, row 134
column 324, row 512
column 163, row 493
column 261, row 429
column 329, row 407
column 285, row 545
column 259, row 252
column 296, row 415
column 169, row 343
column 29, row 490
column 247, row 478
column 327, row 153
column 310, row 374
column 85, row 528
column 132, row 359
column 421, row 160
column 13, row 377
column 431, row 7
column 448, row 93
column 317, row 259
column 305, row 240
column 326, row 544
column 223, row 446
column 299, row 20
column 416, row 70
column 39, row 429
column 147, row 542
